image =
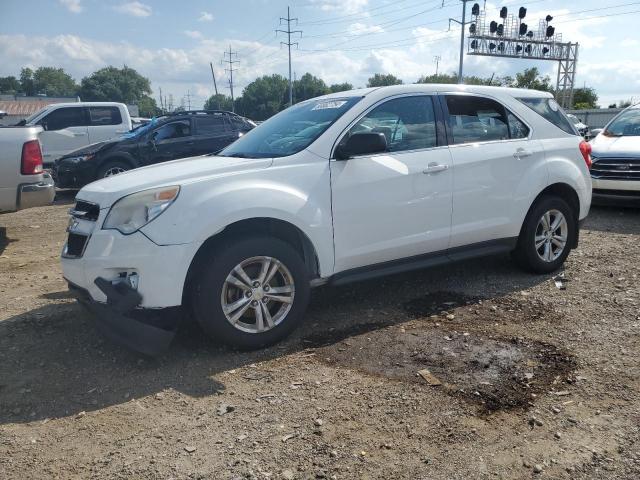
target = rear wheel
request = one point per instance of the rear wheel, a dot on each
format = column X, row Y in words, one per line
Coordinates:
column 251, row 293
column 547, row 235
column 112, row 168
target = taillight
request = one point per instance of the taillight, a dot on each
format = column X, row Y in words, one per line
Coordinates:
column 31, row 158
column 585, row 150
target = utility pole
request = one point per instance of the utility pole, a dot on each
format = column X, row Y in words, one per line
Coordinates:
column 215, row 86
column 188, row 95
column 463, row 23
column 288, row 43
column 437, row 59
column 161, row 104
column 230, row 70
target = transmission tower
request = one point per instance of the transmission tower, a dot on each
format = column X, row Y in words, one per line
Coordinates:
column 288, row 43
column 228, row 58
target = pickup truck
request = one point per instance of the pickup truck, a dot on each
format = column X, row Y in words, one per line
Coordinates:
column 23, row 183
column 70, row 126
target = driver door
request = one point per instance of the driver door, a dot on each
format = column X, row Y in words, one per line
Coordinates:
column 394, row 204
column 170, row 141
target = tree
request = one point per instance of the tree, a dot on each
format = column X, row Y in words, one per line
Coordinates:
column 112, row 84
column 218, row 102
column 54, row 82
column 584, row 98
column 264, row 97
column 309, row 86
column 340, row 87
column 9, row 85
column 26, row 81
column 468, row 80
column 382, row 80
column 147, row 107
column 531, row 78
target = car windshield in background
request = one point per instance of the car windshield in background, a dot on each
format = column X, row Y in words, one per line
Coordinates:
column 290, row 131
column 141, row 130
column 550, row 110
column 627, row 124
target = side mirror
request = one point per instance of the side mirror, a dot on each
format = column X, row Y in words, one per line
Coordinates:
column 45, row 126
column 362, row 144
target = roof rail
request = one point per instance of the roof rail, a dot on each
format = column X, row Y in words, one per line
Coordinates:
column 200, row 112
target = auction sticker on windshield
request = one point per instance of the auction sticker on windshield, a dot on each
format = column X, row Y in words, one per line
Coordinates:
column 329, row 104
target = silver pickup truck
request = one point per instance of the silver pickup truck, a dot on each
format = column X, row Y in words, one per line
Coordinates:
column 23, row 183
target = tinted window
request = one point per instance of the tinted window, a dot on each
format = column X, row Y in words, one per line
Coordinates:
column 239, row 123
column 476, row 119
column 210, row 124
column 408, row 123
column 517, row 128
column 177, row 129
column 627, row 124
column 291, row 130
column 549, row 109
column 105, row 116
column 63, row 118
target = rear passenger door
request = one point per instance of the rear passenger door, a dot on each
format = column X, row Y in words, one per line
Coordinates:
column 65, row 130
column 105, row 122
column 213, row 133
column 496, row 166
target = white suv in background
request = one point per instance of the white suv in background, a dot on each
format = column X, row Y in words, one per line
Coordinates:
column 339, row 188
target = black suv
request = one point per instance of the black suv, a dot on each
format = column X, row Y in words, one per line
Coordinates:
column 178, row 135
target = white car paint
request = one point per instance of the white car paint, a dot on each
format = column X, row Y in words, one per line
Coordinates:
column 355, row 213
column 57, row 142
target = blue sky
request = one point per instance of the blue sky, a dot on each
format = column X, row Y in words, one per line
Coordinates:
column 172, row 42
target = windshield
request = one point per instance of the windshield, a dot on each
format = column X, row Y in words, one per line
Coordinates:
column 291, row 130
column 142, row 129
column 30, row 118
column 627, row 124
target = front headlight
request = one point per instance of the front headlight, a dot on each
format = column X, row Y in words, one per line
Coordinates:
column 79, row 159
column 131, row 213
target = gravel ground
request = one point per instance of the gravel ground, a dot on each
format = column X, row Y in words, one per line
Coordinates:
column 518, row 378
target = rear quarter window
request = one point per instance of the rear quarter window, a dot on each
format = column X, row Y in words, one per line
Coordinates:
column 551, row 111
column 100, row 116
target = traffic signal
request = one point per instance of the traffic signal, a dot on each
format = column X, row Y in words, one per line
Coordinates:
column 523, row 29
column 549, row 18
column 503, row 12
column 500, row 30
column 474, row 44
column 493, row 26
column 501, row 47
column 545, row 50
column 492, row 46
column 550, row 31
column 475, row 10
column 472, row 28
column 522, row 13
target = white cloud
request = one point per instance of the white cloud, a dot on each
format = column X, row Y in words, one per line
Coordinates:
column 74, row 6
column 629, row 42
column 344, row 6
column 195, row 34
column 136, row 9
column 205, row 17
column 361, row 28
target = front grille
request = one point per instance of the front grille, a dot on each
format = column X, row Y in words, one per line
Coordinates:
column 75, row 245
column 85, row 210
column 616, row 169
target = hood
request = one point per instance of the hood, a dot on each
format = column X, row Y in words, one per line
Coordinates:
column 604, row 146
column 92, row 148
column 181, row 172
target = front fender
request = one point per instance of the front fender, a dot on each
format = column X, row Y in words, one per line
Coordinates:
column 203, row 210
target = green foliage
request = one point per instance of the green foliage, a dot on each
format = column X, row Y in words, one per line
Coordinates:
column 113, row 84
column 584, row 98
column 447, row 78
column 26, row 82
column 50, row 81
column 340, row 87
column 9, row 85
column 531, row 78
column 218, row 102
column 309, row 86
column 264, row 97
column 147, row 107
column 383, row 80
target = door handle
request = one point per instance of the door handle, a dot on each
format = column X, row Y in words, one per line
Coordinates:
column 77, row 134
column 522, row 153
column 435, row 168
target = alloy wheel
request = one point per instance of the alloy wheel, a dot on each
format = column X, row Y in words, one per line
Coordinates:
column 551, row 235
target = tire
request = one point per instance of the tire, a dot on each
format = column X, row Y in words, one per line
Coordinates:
column 107, row 170
column 548, row 257
column 211, row 289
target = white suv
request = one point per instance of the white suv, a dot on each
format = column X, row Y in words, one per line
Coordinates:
column 339, row 188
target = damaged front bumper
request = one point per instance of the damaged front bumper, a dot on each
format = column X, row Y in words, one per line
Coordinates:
column 144, row 330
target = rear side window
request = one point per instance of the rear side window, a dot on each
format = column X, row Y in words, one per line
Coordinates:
column 104, row 116
column 550, row 110
column 476, row 119
column 408, row 123
column 210, row 125
column 240, row 123
column 63, row 118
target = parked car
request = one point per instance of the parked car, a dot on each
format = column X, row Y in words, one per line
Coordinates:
column 69, row 126
column 583, row 129
column 345, row 187
column 23, row 183
column 616, row 157
column 179, row 135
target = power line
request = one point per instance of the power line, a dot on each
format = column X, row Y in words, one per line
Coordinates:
column 231, row 61
column 288, row 43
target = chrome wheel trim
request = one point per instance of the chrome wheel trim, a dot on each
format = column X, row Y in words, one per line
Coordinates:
column 551, row 235
column 257, row 294
column 114, row 171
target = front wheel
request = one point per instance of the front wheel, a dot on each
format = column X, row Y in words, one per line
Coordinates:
column 546, row 236
column 251, row 293
column 112, row 168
